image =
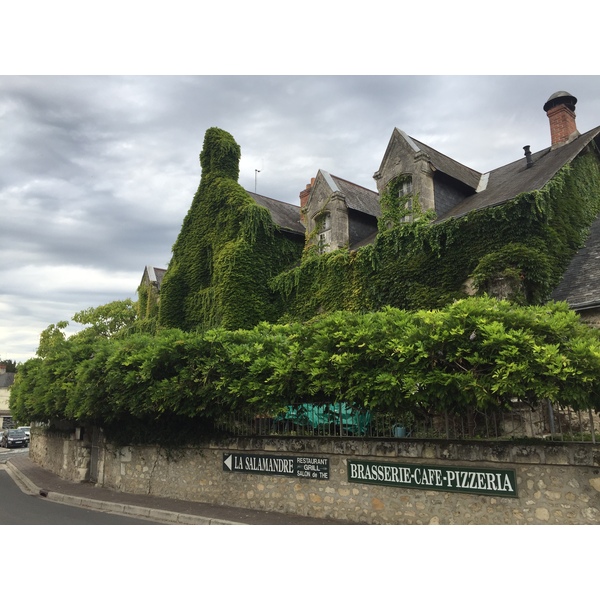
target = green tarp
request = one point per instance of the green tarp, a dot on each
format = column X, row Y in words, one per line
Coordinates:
column 319, row 417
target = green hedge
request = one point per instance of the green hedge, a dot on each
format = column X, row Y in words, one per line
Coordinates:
column 475, row 353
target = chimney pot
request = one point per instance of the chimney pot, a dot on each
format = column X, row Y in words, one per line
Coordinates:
column 528, row 156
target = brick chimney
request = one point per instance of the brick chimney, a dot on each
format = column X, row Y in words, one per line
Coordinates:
column 304, row 194
column 560, row 109
column 2, row 368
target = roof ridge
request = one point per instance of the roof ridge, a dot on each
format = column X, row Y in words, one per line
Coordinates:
column 446, row 156
column 354, row 184
column 273, row 199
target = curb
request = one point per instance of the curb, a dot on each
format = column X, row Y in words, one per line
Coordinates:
column 152, row 514
column 21, row 480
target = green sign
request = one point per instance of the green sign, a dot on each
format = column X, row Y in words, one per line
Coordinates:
column 491, row 482
column 307, row 467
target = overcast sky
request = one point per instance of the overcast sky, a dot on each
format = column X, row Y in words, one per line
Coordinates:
column 98, row 172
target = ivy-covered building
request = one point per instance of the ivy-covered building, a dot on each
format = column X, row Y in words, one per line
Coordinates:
column 434, row 231
column 447, row 187
column 231, row 244
column 285, row 216
column 412, row 171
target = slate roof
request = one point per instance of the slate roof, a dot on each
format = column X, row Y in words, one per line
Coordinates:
column 358, row 197
column 6, row 379
column 284, row 215
column 580, row 285
column 449, row 166
column 365, row 241
column 507, row 182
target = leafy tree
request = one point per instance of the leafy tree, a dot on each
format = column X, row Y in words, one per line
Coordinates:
column 51, row 338
column 108, row 319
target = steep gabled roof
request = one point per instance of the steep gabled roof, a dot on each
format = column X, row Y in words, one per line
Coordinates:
column 439, row 161
column 507, row 182
column 580, row 286
column 284, row 215
column 449, row 166
column 357, row 197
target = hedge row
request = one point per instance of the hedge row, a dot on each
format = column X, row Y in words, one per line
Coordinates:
column 475, row 353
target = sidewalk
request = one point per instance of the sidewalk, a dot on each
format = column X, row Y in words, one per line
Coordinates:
column 38, row 481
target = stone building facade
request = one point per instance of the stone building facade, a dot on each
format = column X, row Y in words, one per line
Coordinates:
column 338, row 213
column 6, row 381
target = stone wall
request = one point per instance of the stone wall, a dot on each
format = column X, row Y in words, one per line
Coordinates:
column 61, row 453
column 556, row 483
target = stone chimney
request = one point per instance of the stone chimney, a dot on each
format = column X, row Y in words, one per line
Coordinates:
column 560, row 109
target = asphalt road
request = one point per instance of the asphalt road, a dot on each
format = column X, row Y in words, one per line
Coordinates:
column 19, row 508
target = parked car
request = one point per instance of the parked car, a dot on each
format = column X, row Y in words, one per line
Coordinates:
column 27, row 432
column 14, row 438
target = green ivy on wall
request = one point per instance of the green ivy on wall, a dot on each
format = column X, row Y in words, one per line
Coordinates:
column 419, row 264
column 226, row 253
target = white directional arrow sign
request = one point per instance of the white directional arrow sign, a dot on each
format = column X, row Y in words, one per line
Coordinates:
column 313, row 467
